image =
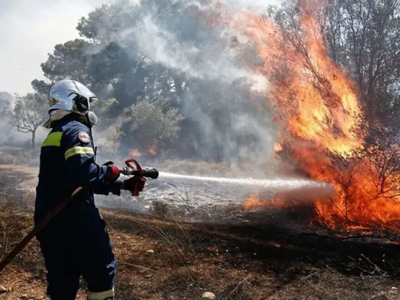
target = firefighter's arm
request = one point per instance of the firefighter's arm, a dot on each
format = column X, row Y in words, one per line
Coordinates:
column 77, row 147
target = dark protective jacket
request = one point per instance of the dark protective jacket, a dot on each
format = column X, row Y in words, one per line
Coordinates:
column 76, row 241
column 67, row 161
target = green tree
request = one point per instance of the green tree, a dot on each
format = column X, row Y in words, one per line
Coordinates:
column 150, row 124
column 69, row 60
column 107, row 57
column 113, row 60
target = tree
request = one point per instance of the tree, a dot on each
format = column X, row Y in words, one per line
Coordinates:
column 362, row 38
column 27, row 114
column 68, row 60
column 105, row 23
column 362, row 35
column 113, row 136
column 149, row 125
column 153, row 50
column 5, row 100
column 41, row 87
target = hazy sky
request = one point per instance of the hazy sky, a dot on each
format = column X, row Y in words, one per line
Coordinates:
column 30, row 29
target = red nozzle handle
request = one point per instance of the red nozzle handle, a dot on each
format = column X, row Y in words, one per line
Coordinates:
column 139, row 171
column 129, row 165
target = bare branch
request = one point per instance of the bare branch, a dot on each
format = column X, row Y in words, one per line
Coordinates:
column 27, row 113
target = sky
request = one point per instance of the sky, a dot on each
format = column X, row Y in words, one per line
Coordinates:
column 28, row 33
column 31, row 28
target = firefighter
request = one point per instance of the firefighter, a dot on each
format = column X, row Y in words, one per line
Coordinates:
column 76, row 242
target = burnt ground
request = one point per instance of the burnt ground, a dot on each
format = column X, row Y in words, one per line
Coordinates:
column 270, row 254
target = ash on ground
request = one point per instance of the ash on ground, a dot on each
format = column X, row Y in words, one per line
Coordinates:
column 202, row 201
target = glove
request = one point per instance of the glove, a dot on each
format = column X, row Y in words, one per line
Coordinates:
column 113, row 172
column 134, row 184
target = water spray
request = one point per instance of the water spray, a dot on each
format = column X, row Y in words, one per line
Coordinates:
column 266, row 183
column 289, row 188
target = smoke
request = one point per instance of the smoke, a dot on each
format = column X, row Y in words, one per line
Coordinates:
column 222, row 95
column 199, row 50
column 208, row 61
column 223, row 92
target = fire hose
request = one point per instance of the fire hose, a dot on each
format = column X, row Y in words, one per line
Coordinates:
column 128, row 170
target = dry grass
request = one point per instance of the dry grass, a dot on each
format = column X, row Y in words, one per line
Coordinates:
column 234, row 262
column 18, row 156
column 187, row 260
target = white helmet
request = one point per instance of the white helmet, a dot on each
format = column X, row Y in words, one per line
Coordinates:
column 69, row 96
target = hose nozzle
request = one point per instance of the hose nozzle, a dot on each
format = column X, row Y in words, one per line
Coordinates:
column 151, row 173
column 129, row 170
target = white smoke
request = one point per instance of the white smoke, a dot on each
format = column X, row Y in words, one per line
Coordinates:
column 212, row 59
column 209, row 62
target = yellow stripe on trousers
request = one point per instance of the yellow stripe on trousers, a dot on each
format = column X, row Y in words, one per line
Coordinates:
column 101, row 295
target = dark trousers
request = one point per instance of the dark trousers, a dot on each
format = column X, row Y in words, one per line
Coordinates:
column 75, row 245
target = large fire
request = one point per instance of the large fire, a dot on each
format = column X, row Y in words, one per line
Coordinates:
column 319, row 118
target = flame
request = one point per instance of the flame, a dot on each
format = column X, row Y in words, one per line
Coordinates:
column 135, row 153
column 153, row 150
column 319, row 119
column 277, row 147
column 254, row 203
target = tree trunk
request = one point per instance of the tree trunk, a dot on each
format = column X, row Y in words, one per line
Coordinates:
column 33, row 138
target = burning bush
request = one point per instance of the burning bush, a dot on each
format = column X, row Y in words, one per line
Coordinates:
column 322, row 126
column 368, row 184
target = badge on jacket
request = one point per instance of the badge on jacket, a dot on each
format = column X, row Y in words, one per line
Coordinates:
column 83, row 137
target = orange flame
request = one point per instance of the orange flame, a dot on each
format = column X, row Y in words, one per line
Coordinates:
column 153, row 150
column 135, row 153
column 277, row 147
column 254, row 202
column 318, row 116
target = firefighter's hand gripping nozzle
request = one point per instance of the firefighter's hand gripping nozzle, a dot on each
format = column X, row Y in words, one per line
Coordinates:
column 138, row 175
